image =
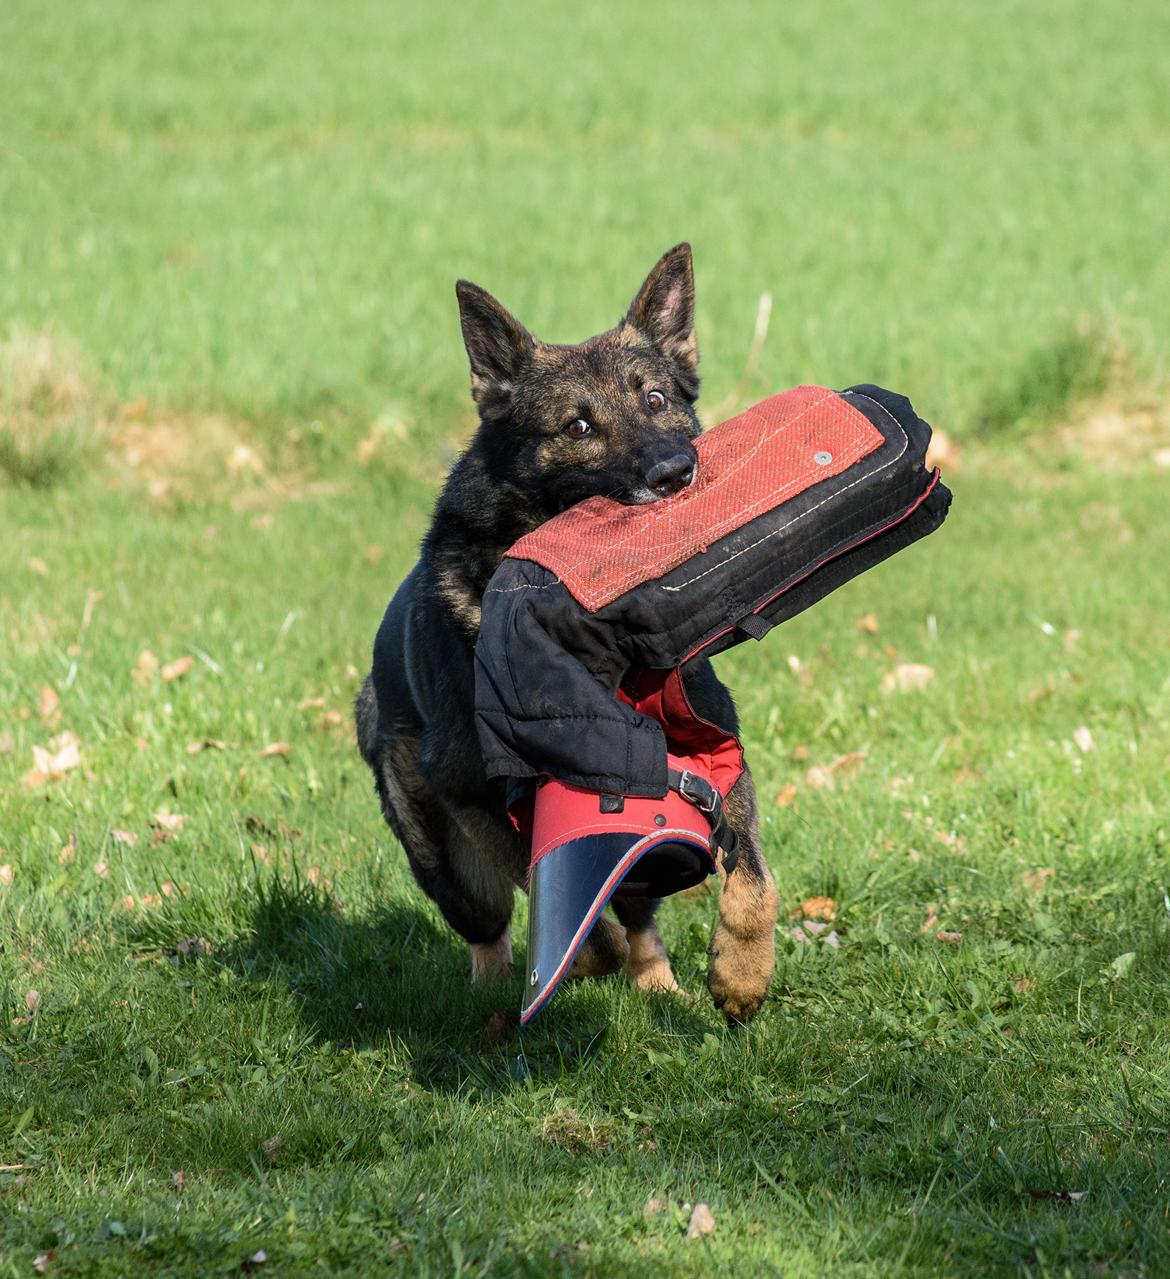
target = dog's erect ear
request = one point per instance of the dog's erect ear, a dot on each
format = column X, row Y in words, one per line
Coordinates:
column 664, row 310
column 498, row 345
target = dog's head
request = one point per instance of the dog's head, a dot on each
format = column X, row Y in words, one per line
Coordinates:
column 611, row 416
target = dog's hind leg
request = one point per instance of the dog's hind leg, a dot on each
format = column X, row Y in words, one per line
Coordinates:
column 474, row 897
column 647, row 963
column 743, row 948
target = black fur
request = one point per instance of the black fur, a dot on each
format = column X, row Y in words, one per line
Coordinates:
column 528, row 460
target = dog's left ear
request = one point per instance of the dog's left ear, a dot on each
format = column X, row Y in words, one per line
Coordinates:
column 498, row 346
column 664, row 311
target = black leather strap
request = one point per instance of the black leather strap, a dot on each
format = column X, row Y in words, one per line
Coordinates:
column 698, row 791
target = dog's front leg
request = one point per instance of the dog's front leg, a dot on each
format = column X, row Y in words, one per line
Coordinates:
column 743, row 949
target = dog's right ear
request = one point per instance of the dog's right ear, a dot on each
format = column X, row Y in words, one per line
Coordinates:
column 498, row 345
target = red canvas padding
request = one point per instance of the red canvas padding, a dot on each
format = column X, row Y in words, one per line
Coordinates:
column 748, row 465
column 568, row 812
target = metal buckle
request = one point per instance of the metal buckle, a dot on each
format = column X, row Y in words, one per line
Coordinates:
column 705, row 798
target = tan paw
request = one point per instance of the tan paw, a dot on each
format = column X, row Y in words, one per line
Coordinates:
column 740, row 974
column 604, row 952
column 493, row 960
column 648, row 965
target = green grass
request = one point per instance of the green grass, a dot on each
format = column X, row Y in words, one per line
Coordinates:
column 252, row 216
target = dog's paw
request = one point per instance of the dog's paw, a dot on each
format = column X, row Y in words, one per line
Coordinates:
column 492, row 961
column 605, row 951
column 740, row 974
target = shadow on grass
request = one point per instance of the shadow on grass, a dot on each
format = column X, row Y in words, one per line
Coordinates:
column 400, row 974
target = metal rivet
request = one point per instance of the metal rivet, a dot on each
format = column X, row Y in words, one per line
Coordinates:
column 659, row 819
column 822, row 458
column 534, row 978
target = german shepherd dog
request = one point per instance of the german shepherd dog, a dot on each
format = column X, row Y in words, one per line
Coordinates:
column 614, row 416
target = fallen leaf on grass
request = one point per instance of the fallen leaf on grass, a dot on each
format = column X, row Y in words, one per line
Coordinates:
column 372, row 555
column 1036, row 878
column 274, row 749
column 310, row 703
column 820, row 777
column 127, row 837
column 868, row 623
column 909, row 677
column 146, row 667
column 786, row 795
column 101, row 869
column 7, row 874
column 179, row 1180
column 43, row 1260
column 172, row 823
column 816, row 908
column 1084, row 740
column 32, row 1001
column 52, row 763
column 177, row 669
column 951, row 939
column 702, row 1222
column 68, row 851
column 7, row 742
column 37, row 565
column 255, row 1261
column 942, row 452
column 652, row 1207
column 49, row 703
column 207, row 744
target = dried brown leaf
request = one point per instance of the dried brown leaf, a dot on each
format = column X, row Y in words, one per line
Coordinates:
column 868, row 624
column 275, row 748
column 68, row 851
column 909, row 677
column 951, row 939
column 786, row 795
column 7, row 874
column 820, row 777
column 177, row 669
column 1037, row 877
column 702, row 1222
column 127, row 837
column 49, row 703
column 824, row 908
column 146, row 667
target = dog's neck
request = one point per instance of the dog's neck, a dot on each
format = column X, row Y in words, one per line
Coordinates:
column 476, row 520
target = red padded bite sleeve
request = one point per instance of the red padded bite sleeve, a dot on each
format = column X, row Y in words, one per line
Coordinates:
column 748, row 465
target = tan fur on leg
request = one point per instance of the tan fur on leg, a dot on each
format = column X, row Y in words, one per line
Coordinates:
column 648, row 965
column 493, row 960
column 604, row 952
column 743, row 948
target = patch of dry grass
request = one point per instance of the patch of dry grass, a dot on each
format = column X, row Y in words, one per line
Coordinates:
column 51, row 412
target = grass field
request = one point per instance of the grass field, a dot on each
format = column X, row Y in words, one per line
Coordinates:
column 230, row 381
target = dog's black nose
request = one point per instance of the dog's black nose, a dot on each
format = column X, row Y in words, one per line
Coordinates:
column 670, row 475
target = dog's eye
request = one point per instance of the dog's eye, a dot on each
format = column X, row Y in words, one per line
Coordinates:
column 655, row 400
column 578, row 428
